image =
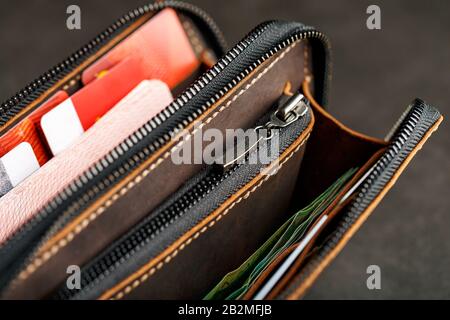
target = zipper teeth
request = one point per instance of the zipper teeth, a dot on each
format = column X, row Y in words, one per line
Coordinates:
column 145, row 233
column 37, row 87
column 160, row 118
column 407, row 135
column 397, row 124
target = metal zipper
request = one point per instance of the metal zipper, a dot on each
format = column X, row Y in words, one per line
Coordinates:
column 407, row 133
column 289, row 111
column 37, row 87
column 91, row 183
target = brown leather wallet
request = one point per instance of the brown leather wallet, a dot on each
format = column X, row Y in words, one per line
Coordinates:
column 139, row 225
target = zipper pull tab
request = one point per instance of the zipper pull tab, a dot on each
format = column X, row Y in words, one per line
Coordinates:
column 291, row 108
column 295, row 107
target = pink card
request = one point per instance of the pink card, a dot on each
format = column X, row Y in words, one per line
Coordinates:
column 25, row 200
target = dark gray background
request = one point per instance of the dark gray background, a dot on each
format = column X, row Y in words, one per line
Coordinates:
column 376, row 74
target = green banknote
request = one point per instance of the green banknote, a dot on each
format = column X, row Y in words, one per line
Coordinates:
column 236, row 283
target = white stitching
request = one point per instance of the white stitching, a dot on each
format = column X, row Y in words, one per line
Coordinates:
column 167, row 259
column 71, row 83
column 306, row 70
column 195, row 41
column 45, row 256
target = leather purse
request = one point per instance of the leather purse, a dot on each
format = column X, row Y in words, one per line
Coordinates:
column 141, row 226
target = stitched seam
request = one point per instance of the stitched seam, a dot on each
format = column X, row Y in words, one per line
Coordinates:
column 42, row 258
column 195, row 41
column 71, row 83
column 68, row 84
column 137, row 282
column 305, row 60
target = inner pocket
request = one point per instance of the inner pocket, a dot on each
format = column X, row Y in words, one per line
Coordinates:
column 106, row 101
column 331, row 211
column 332, row 150
column 71, row 81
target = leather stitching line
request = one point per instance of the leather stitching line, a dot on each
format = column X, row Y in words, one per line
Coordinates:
column 195, row 41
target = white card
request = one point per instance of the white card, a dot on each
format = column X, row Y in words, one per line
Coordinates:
column 20, row 163
column 61, row 126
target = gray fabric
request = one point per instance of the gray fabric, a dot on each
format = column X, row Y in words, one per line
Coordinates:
column 376, row 74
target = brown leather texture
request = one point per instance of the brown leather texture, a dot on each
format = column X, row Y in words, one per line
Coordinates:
column 146, row 187
column 333, row 149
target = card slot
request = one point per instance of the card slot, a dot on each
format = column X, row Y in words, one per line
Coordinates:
column 52, row 126
column 71, row 81
column 24, row 201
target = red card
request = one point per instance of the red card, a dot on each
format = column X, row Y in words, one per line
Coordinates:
column 160, row 46
column 95, row 99
column 64, row 124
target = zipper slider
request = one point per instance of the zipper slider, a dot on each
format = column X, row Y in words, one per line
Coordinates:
column 291, row 108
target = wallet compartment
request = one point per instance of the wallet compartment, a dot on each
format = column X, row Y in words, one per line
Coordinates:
column 411, row 132
column 376, row 176
column 78, row 242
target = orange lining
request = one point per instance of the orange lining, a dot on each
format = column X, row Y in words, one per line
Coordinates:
column 318, row 108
